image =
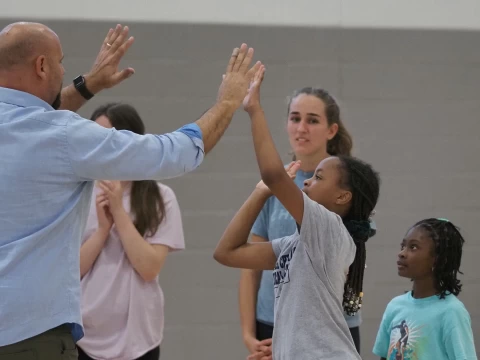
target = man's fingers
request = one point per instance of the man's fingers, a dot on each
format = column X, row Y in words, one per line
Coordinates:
column 241, row 56
column 120, row 39
column 107, row 38
column 232, row 60
column 123, row 49
column 122, row 75
column 246, row 61
column 114, row 35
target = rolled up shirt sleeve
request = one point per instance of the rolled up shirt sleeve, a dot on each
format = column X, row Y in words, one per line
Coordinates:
column 97, row 153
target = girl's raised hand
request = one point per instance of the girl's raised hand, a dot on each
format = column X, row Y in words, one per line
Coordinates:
column 251, row 102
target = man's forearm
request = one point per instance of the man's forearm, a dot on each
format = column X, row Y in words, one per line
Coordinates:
column 214, row 123
column 72, row 100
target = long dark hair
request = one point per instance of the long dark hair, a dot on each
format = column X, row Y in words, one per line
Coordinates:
column 341, row 143
column 448, row 254
column 364, row 183
column 146, row 201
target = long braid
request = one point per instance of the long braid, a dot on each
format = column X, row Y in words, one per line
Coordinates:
column 364, row 183
column 353, row 292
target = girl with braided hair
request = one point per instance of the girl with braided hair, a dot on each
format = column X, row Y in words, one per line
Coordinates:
column 437, row 323
column 315, row 131
column 318, row 270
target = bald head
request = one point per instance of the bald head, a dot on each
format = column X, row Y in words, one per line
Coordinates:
column 31, row 61
column 22, row 42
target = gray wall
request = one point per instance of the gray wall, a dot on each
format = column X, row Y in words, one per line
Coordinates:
column 410, row 99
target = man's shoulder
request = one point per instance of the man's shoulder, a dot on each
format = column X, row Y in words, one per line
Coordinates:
column 27, row 115
column 35, row 118
column 55, row 117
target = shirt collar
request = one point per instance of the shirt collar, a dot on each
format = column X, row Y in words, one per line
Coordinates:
column 23, row 99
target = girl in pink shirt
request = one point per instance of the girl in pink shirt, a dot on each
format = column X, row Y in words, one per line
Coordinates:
column 131, row 228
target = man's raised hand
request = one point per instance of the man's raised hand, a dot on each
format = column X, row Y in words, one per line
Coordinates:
column 238, row 76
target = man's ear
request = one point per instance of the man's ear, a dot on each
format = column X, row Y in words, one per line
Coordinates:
column 41, row 67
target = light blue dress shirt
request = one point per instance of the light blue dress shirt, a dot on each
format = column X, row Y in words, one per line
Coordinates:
column 48, row 161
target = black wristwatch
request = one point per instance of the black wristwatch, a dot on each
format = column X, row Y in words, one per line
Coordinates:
column 79, row 83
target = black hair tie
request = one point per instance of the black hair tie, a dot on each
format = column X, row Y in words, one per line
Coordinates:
column 360, row 231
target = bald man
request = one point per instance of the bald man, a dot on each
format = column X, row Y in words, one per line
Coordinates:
column 49, row 159
column 20, row 44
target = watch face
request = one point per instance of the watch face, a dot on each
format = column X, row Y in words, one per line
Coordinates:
column 80, row 85
column 78, row 81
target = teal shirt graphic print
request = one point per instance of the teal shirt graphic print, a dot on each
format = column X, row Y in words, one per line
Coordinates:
column 425, row 329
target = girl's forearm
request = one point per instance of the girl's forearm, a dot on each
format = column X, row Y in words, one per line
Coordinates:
column 269, row 161
column 238, row 230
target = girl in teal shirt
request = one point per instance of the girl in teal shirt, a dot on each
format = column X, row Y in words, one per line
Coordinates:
column 429, row 322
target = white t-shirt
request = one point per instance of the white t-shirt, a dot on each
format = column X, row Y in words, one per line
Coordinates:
column 123, row 315
column 309, row 279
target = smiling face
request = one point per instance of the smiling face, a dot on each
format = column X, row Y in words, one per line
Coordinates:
column 308, row 129
column 417, row 256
